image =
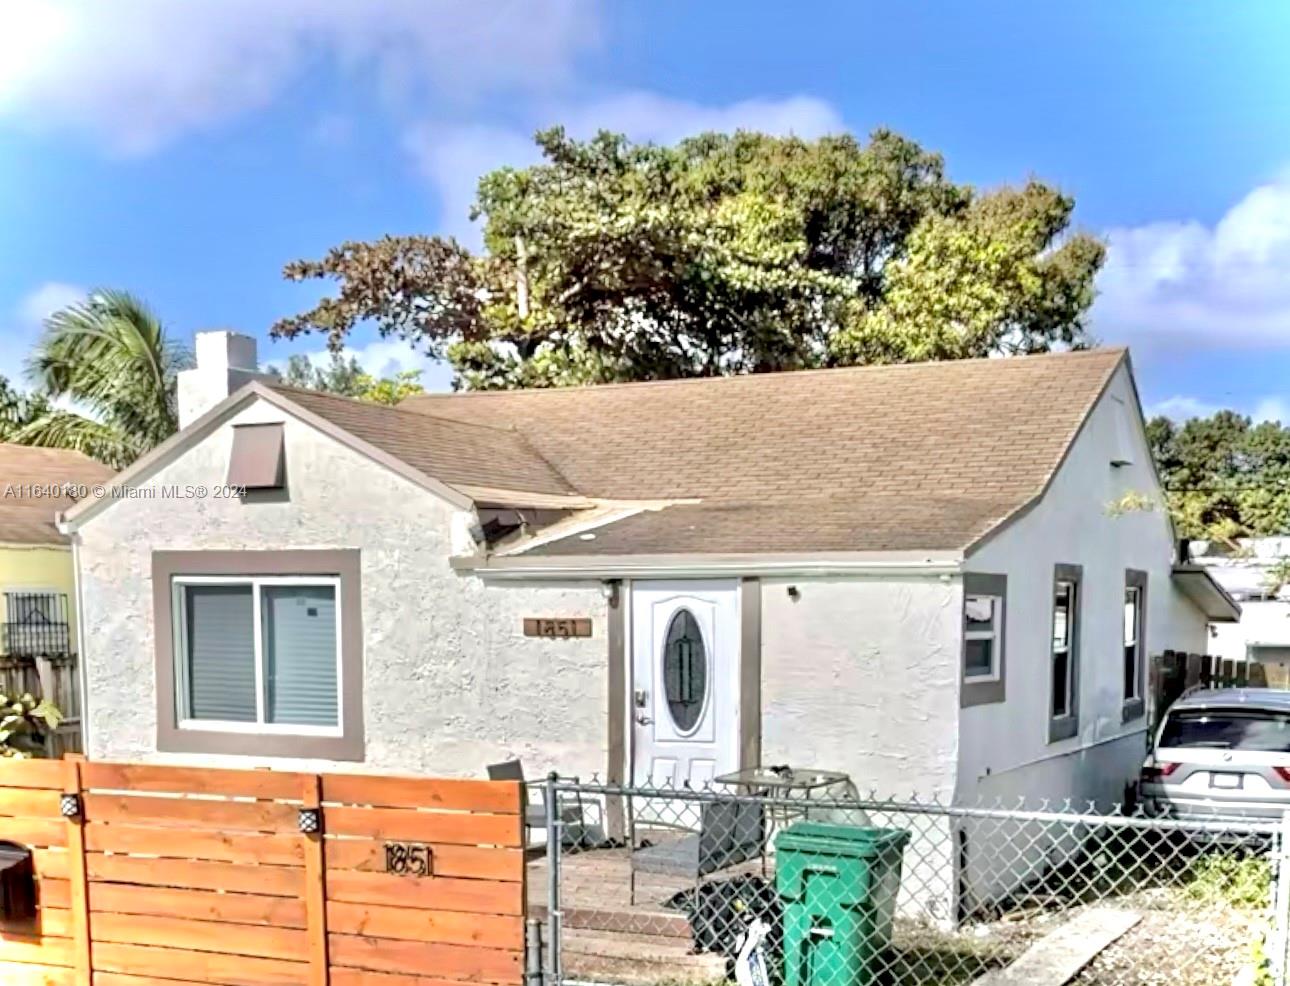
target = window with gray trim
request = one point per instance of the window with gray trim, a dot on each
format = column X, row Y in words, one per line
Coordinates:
column 982, row 633
column 1064, row 655
column 1135, row 644
column 259, row 653
column 984, row 667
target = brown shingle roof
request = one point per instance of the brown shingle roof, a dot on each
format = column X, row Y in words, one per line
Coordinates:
column 459, row 453
column 926, row 455
column 26, row 518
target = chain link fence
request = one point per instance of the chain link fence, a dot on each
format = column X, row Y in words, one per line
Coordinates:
column 649, row 885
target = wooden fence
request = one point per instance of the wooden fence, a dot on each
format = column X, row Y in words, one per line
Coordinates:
column 54, row 678
column 174, row 875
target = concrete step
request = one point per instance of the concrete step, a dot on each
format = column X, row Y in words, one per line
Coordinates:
column 637, row 960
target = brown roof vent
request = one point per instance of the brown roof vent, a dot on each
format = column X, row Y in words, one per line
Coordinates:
column 257, row 459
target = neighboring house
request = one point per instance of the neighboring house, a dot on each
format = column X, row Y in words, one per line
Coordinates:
column 910, row 573
column 1249, row 571
column 38, row 614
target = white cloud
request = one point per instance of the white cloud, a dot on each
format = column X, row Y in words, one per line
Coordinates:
column 453, row 158
column 137, row 73
column 1181, row 407
column 1171, row 284
column 21, row 329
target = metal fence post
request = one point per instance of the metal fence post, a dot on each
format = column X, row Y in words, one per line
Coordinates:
column 1280, row 936
column 555, row 973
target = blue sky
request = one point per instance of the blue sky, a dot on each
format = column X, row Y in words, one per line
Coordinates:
column 186, row 151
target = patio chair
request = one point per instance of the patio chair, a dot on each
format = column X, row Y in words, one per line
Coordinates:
column 535, row 814
column 730, row 832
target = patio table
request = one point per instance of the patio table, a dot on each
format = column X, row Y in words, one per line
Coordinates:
column 789, row 792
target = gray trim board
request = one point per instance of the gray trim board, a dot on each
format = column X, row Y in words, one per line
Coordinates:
column 616, row 648
column 1135, row 708
column 1064, row 727
column 984, row 692
column 749, row 673
column 344, row 564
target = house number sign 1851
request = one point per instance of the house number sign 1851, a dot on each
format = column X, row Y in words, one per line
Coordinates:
column 536, row 626
column 408, row 859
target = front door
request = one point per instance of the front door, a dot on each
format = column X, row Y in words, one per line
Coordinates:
column 685, row 681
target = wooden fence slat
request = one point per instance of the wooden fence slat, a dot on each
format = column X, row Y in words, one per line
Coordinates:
column 13, row 974
column 366, row 977
column 496, row 797
column 256, row 941
column 54, row 893
column 201, row 905
column 207, row 813
column 198, row 967
column 264, row 784
column 280, row 849
column 432, row 893
column 39, row 951
column 458, row 828
column 51, row 864
column 49, row 922
column 315, row 876
column 470, row 862
column 274, row 881
column 76, row 878
column 46, row 774
column 50, row 831
column 29, row 803
column 453, row 962
column 413, row 924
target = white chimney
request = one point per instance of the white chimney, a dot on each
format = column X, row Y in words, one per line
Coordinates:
column 225, row 362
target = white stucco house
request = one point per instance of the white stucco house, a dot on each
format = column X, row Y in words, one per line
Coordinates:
column 908, row 573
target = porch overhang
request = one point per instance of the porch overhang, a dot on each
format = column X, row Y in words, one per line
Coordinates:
column 1198, row 585
column 921, row 564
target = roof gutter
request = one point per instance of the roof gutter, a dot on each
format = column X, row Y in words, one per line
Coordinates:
column 884, row 564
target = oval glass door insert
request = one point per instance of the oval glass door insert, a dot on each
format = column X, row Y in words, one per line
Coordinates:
column 685, row 671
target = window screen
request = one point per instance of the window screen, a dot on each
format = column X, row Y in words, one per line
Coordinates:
column 220, row 652
column 300, row 654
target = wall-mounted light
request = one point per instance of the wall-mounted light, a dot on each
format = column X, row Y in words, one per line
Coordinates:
column 609, row 589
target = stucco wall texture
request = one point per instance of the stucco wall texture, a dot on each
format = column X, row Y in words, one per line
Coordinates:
column 450, row 682
column 861, row 675
column 1005, row 748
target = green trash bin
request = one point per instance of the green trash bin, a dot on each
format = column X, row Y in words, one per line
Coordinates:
column 838, row 884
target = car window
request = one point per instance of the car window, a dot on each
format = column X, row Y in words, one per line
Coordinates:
column 1223, row 729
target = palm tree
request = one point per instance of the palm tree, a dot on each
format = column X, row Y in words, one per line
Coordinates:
column 111, row 356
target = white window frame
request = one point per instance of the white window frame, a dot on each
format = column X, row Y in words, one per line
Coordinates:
column 1069, row 647
column 256, row 584
column 1136, row 643
column 994, row 634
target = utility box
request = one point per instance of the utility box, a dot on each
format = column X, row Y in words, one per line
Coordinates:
column 839, row 885
column 17, row 883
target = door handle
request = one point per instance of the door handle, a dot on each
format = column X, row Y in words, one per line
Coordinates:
column 643, row 719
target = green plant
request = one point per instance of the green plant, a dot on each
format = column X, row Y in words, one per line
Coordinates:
column 25, row 722
column 1237, row 880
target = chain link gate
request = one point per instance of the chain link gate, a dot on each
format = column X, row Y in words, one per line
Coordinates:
column 701, row 886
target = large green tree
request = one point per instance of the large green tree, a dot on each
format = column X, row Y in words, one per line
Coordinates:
column 723, row 254
column 111, row 356
column 18, row 409
column 348, row 379
column 1224, row 476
